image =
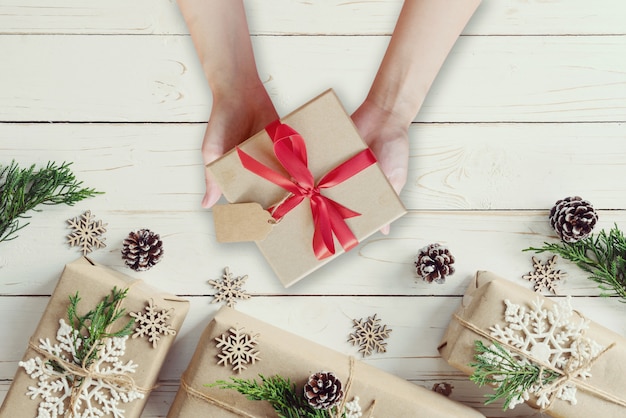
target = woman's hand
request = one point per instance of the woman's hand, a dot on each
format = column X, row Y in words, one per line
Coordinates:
column 235, row 117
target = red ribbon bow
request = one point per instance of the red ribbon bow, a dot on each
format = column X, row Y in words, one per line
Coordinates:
column 328, row 216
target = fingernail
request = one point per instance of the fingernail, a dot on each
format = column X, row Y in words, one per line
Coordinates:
column 205, row 201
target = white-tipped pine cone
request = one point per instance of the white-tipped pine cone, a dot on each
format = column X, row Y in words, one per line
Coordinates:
column 142, row 249
column 433, row 263
column 573, row 218
column 323, row 390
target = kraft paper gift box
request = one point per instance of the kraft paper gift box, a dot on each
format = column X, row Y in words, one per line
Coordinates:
column 295, row 358
column 125, row 370
column 481, row 316
column 331, row 139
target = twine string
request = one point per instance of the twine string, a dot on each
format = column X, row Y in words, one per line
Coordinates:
column 241, row 413
column 567, row 375
column 122, row 381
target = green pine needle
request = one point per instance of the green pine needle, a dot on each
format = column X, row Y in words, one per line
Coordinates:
column 23, row 189
column 602, row 256
column 93, row 326
column 276, row 390
column 495, row 366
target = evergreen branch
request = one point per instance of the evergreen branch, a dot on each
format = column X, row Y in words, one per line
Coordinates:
column 602, row 256
column 93, row 326
column 23, row 189
column 276, row 390
column 496, row 366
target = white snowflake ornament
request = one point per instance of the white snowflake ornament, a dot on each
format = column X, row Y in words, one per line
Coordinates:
column 552, row 337
column 153, row 323
column 237, row 349
column 353, row 409
column 91, row 393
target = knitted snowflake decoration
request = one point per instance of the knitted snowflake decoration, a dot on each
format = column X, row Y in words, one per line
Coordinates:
column 370, row 335
column 86, row 233
column 153, row 323
column 553, row 337
column 93, row 396
column 237, row 349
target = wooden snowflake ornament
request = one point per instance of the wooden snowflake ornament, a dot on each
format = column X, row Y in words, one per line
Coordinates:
column 229, row 288
column 153, row 323
column 86, row 233
column 369, row 335
column 237, row 349
column 545, row 276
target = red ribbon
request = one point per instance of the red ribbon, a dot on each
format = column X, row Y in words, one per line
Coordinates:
column 328, row 216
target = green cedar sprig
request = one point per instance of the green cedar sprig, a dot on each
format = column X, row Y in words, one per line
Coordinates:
column 23, row 189
column 93, row 326
column 496, row 366
column 603, row 256
column 276, row 390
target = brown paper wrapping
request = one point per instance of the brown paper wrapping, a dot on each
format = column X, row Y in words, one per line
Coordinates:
column 331, row 138
column 94, row 282
column 483, row 306
column 296, row 358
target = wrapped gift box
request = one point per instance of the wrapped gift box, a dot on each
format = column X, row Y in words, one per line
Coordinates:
column 119, row 383
column 285, row 354
column 331, row 139
column 544, row 332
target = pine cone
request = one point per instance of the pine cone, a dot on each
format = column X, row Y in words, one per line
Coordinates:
column 323, row 390
column 433, row 263
column 142, row 250
column 573, row 218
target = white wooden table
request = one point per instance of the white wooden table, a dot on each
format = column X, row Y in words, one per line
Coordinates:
column 529, row 108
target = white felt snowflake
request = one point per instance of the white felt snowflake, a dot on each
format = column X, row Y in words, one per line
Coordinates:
column 86, row 233
column 94, row 395
column 545, row 276
column 153, row 323
column 353, row 409
column 237, row 349
column 553, row 337
column 370, row 335
column 229, row 288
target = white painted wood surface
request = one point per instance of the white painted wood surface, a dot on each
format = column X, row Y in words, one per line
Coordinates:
column 529, row 108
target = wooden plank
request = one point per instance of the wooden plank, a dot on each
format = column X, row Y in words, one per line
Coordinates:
column 381, row 265
column 159, row 79
column 148, row 167
column 418, row 323
column 289, row 17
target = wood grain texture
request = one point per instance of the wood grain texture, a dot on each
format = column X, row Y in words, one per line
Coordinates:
column 159, row 79
column 297, row 17
column 466, row 166
column 529, row 107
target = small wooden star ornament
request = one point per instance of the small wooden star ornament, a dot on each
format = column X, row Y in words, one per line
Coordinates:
column 545, row 276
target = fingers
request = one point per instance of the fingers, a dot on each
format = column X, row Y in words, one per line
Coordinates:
column 397, row 178
column 213, row 192
column 212, row 149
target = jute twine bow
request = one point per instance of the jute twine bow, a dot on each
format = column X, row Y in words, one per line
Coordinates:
column 123, row 382
column 241, row 413
column 568, row 375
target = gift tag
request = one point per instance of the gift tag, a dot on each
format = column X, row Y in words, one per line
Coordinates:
column 241, row 222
